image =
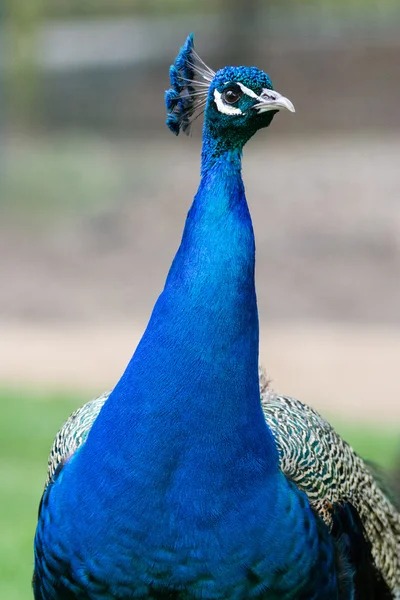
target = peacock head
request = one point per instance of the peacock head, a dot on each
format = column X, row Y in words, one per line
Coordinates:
column 236, row 101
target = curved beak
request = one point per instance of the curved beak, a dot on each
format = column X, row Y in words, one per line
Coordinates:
column 272, row 100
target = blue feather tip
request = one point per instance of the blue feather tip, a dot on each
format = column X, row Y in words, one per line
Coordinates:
column 186, row 95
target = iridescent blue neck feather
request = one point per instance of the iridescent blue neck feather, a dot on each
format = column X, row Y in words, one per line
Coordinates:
column 184, row 429
column 194, row 374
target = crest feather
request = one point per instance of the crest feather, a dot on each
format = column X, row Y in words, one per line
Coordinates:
column 190, row 79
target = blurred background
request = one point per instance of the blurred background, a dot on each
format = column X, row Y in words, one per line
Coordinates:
column 94, row 191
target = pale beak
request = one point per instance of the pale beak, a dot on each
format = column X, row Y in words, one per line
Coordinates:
column 272, row 100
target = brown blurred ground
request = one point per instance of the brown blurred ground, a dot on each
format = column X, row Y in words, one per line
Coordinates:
column 340, row 370
column 326, row 213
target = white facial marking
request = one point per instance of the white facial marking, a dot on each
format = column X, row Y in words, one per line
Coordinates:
column 247, row 91
column 225, row 108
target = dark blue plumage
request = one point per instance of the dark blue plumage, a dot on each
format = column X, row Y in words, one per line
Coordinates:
column 177, row 491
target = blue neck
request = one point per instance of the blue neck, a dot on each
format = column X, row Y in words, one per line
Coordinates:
column 219, row 148
column 190, row 394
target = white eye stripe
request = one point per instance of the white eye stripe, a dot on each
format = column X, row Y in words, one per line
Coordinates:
column 225, row 108
column 247, row 91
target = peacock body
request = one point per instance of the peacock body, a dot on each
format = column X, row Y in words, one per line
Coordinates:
column 180, row 483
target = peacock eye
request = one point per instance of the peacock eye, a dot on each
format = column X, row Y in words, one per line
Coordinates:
column 230, row 96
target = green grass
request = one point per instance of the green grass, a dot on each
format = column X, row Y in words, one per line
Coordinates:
column 380, row 446
column 28, row 422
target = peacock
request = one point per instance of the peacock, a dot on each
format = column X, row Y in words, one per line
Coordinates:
column 192, row 479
